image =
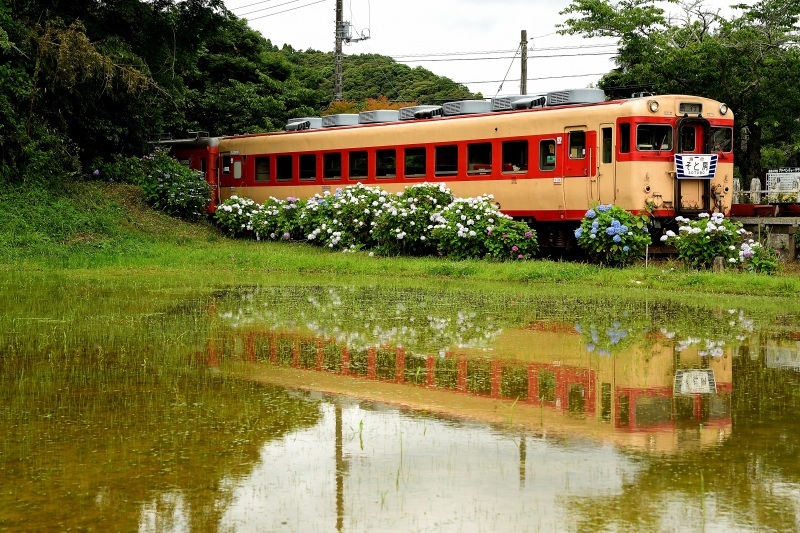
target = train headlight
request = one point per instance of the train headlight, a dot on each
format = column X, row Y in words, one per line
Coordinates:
column 652, row 105
column 723, row 109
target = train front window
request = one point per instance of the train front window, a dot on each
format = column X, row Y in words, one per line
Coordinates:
column 515, row 156
column 415, row 162
column 721, row 139
column 262, row 168
column 446, row 160
column 653, row 137
column 308, row 167
column 283, row 168
column 385, row 163
column 358, row 165
column 479, row 158
column 332, row 166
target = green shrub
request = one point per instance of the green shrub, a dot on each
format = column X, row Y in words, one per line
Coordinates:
column 278, row 219
column 613, row 236
column 699, row 241
column 235, row 215
column 404, row 224
column 757, row 258
column 174, row 188
column 475, row 228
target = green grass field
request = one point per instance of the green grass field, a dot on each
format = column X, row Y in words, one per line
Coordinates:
column 98, row 229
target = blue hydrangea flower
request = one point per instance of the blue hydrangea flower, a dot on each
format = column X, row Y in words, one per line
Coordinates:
column 590, row 213
column 617, row 238
column 578, row 233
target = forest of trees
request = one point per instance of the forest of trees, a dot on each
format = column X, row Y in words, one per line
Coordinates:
column 82, row 80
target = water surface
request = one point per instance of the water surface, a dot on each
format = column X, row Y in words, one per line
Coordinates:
column 361, row 408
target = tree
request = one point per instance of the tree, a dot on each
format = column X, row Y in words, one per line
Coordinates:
column 750, row 61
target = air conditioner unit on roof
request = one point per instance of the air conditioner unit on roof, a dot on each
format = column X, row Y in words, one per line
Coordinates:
column 378, row 115
column 466, row 107
column 341, row 119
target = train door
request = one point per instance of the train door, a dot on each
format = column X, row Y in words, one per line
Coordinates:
column 578, row 167
column 606, row 169
column 693, row 194
column 230, row 174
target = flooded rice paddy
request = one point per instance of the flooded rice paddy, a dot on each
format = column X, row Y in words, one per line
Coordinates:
column 289, row 407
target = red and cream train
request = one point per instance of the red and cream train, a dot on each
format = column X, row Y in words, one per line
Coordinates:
column 546, row 159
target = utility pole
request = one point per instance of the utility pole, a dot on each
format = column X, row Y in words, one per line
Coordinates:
column 337, row 53
column 342, row 36
column 523, row 86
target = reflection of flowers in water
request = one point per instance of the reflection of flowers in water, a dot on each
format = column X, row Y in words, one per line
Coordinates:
column 363, row 318
column 706, row 347
column 604, row 339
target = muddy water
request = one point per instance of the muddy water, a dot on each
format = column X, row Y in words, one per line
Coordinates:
column 361, row 408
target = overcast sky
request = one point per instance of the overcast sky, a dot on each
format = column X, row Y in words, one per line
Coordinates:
column 473, row 42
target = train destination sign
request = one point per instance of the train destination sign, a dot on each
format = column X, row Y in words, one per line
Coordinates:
column 695, row 166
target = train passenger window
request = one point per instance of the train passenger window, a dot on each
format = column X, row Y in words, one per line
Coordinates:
column 385, row 163
column 283, row 168
column 479, row 158
column 653, row 137
column 515, row 156
column 624, row 138
column 414, row 159
column 446, row 160
column 308, row 167
column 577, row 144
column 547, row 155
column 608, row 148
column 358, row 165
column 688, row 139
column 226, row 164
column 237, row 170
column 721, row 139
column 262, row 168
column 332, row 166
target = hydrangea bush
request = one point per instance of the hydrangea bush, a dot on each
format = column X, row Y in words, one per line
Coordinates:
column 754, row 257
column 174, row 188
column 475, row 228
column 278, row 219
column 613, row 236
column 235, row 215
column 699, row 241
column 344, row 219
column 405, row 222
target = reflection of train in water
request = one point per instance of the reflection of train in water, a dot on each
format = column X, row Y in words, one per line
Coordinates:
column 546, row 159
column 658, row 397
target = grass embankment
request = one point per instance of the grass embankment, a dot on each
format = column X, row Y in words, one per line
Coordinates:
column 89, row 228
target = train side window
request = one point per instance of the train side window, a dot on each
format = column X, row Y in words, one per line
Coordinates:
column 226, row 164
column 332, row 166
column 721, row 139
column 358, row 165
column 577, row 144
column 237, row 170
column 203, row 165
column 446, row 158
column 608, row 149
column 385, row 163
column 515, row 156
column 414, row 159
column 283, row 168
column 479, row 158
column 262, row 168
column 688, row 139
column 624, row 138
column 653, row 137
column 547, row 155
column 308, row 167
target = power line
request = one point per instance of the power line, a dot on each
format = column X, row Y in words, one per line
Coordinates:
column 506, row 57
column 530, row 49
column 286, row 10
column 532, row 79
